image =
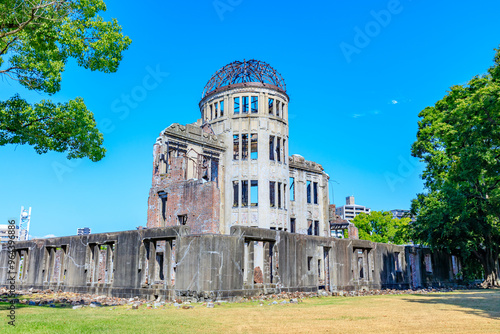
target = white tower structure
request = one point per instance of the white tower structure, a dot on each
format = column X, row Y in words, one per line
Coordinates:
column 24, row 223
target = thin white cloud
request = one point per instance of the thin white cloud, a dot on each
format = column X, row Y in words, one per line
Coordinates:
column 357, row 115
column 394, row 102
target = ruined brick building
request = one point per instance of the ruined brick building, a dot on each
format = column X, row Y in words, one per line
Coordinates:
column 230, row 213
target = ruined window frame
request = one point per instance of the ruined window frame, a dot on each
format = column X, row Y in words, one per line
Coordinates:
column 316, row 227
column 254, row 104
column 308, row 191
column 236, row 147
column 221, row 103
column 254, row 193
column 270, row 106
column 236, row 105
column 271, row 148
column 236, row 194
column 315, row 192
column 254, row 149
column 216, row 108
column 278, row 103
column 272, row 194
column 244, row 193
column 245, row 104
column 278, row 148
column 244, row 146
column 292, row 224
column 292, row 189
column 279, row 195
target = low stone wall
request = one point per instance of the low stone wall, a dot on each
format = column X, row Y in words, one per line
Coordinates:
column 172, row 263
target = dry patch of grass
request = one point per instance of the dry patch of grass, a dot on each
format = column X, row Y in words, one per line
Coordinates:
column 456, row 312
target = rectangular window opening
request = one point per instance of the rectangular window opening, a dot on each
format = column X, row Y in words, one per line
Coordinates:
column 292, row 189
column 216, row 109
column 254, row 147
column 235, row 194
column 236, row 147
column 245, row 105
column 278, row 103
column 315, row 192
column 278, row 148
column 309, row 260
column 244, row 146
column 272, row 194
column 271, row 148
column 254, row 192
column 255, row 104
column 182, row 219
column 236, row 105
column 270, row 103
column 221, row 108
column 316, row 227
column 244, row 193
column 309, row 227
column 292, row 225
column 308, row 184
column 279, row 195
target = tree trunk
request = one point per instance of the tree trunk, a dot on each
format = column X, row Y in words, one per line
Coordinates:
column 490, row 265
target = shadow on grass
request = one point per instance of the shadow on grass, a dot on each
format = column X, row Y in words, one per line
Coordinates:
column 483, row 303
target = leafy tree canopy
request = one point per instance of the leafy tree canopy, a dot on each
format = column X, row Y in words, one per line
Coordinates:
column 459, row 141
column 379, row 226
column 36, row 40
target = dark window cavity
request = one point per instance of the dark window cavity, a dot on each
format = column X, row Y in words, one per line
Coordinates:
column 316, row 227
column 244, row 193
column 270, row 103
column 308, row 191
column 279, row 195
column 278, row 148
column 236, row 194
column 292, row 225
column 315, row 192
column 272, row 193
column 271, row 148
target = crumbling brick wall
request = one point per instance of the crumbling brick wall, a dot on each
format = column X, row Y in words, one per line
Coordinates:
column 196, row 200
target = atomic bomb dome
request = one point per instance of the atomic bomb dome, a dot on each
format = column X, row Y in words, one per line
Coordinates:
column 246, row 71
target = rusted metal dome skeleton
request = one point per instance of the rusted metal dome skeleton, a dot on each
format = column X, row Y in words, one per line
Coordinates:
column 244, row 71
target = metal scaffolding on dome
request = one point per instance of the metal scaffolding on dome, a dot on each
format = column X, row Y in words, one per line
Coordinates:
column 244, row 71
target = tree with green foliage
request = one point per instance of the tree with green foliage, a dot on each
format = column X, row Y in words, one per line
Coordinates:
column 459, row 141
column 379, row 226
column 36, row 40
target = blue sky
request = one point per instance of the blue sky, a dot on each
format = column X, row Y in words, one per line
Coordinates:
column 358, row 73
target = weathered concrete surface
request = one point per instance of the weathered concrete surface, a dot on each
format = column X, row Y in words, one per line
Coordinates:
column 172, row 263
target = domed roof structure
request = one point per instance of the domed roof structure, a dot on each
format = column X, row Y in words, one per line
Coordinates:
column 244, row 71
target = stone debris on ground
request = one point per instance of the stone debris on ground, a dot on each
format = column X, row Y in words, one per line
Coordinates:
column 76, row 301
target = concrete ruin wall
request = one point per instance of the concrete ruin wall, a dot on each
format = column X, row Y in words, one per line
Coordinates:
column 172, row 263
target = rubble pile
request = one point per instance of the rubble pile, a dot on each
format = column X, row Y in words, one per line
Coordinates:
column 76, row 300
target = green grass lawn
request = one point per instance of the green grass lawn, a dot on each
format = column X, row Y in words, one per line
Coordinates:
column 475, row 311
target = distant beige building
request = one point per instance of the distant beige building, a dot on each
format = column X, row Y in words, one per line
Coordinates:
column 351, row 209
